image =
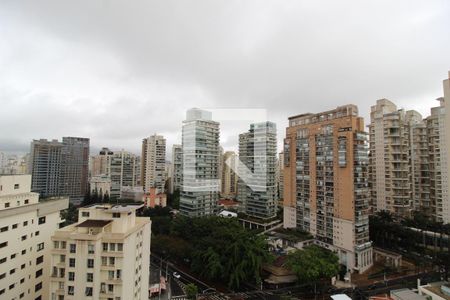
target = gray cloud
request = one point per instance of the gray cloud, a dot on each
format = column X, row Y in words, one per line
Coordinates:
column 117, row 71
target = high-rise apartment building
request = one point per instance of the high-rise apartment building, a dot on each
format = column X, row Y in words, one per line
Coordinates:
column 200, row 185
column 445, row 159
column 26, row 226
column 153, row 162
column 280, row 176
column 103, row 256
column 325, row 182
column 229, row 177
column 177, row 166
column 100, row 163
column 60, row 168
column 46, row 159
column 390, row 160
column 258, row 153
column 124, row 172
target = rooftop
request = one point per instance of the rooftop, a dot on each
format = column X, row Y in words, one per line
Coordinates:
column 94, row 223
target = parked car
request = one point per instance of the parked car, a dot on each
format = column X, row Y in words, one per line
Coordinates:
column 176, row 275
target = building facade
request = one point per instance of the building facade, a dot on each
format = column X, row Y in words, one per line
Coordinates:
column 446, row 157
column 60, row 168
column 26, row 226
column 153, row 162
column 177, row 167
column 229, row 177
column 258, row 154
column 103, row 256
column 325, row 182
column 200, row 185
column 280, row 176
column 100, row 163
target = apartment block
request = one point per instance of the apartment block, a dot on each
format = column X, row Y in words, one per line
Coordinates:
column 26, row 226
column 103, row 256
column 229, row 177
column 60, row 168
column 200, row 186
column 258, row 153
column 100, row 163
column 153, row 162
column 280, row 176
column 445, row 158
column 177, row 167
column 325, row 182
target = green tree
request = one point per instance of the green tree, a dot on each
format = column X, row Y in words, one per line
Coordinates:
column 70, row 215
column 313, row 263
column 191, row 291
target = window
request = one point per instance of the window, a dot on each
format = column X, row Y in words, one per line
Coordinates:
column 16, row 186
column 62, row 258
column 70, row 290
column 71, row 276
column 111, row 288
column 90, row 277
column 91, row 249
column 13, row 255
column 22, row 280
column 24, row 237
column 24, row 251
column 112, row 247
column 90, row 263
column 12, row 271
column 73, row 248
column 110, row 275
column 2, row 275
column 88, row 291
column 15, row 226
column 25, row 223
column 63, row 245
column 38, row 273
column 26, row 201
column 2, row 291
column 40, row 246
column 119, row 274
column 38, row 286
column 119, row 247
column 41, row 220
column 36, row 233
column 116, row 215
column 72, row 262
column 56, row 244
column 2, row 260
column 11, row 286
column 7, row 204
column 85, row 214
column 61, row 285
column 3, row 229
column 3, row 245
column 111, row 261
column 23, row 266
column 105, row 246
column 40, row 260
column 104, row 261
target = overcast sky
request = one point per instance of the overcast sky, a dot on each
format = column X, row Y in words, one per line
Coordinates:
column 118, row 71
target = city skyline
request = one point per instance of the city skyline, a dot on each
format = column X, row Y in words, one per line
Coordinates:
column 92, row 82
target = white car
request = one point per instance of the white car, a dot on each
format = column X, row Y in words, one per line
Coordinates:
column 176, row 275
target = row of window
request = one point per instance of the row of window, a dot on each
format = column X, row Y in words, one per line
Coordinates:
column 41, row 221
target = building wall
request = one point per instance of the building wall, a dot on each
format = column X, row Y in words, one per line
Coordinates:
column 446, row 156
column 26, row 225
column 153, row 162
column 229, row 177
column 177, row 165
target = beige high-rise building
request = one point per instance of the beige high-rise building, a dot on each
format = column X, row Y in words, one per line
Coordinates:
column 26, row 226
column 177, row 167
column 100, row 163
column 280, row 175
column 445, row 159
column 325, row 182
column 390, row 159
column 103, row 256
column 229, row 177
column 153, row 163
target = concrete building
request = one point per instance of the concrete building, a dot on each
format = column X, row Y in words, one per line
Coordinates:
column 60, row 168
column 100, row 163
column 258, row 153
column 100, row 184
column 103, row 256
column 325, row 182
column 177, row 167
column 153, row 162
column 26, row 226
column 229, row 177
column 200, row 186
column 154, row 198
column 446, row 158
column 280, row 176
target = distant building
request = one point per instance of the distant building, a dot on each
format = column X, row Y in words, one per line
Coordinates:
column 153, row 162
column 446, row 158
column 100, row 163
column 153, row 198
column 258, row 153
column 229, row 176
column 103, row 256
column 177, row 166
column 100, row 185
column 280, row 176
column 325, row 183
column 200, row 186
column 134, row 193
column 60, row 168
column 26, row 226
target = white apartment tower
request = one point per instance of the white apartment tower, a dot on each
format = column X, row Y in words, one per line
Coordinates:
column 258, row 153
column 103, row 256
column 201, row 180
column 153, row 162
column 26, row 226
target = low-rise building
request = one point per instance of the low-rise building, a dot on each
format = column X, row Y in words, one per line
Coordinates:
column 106, row 255
column 155, row 198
